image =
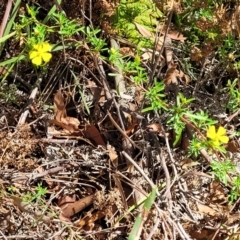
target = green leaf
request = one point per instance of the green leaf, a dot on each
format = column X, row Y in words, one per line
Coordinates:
column 3, row 39
column 13, row 60
column 10, row 22
column 52, row 10
column 150, row 200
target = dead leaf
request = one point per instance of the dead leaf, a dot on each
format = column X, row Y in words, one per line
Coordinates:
column 147, row 55
column 155, row 127
column 187, row 78
column 62, row 134
column 160, row 43
column 131, row 128
column 171, row 74
column 217, row 193
column 69, row 209
column 184, row 77
column 64, row 199
column 175, row 35
column 89, row 220
column 69, row 127
column 236, row 20
column 233, row 146
column 121, row 190
column 94, row 135
column 59, row 106
column 205, row 209
column 144, row 31
column 112, row 155
column 61, row 119
column 3, row 71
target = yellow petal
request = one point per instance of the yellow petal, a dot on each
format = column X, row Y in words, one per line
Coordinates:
column 224, row 139
column 211, row 133
column 33, row 54
column 37, row 60
column 36, row 46
column 46, row 47
column 216, row 143
column 221, row 131
column 46, row 57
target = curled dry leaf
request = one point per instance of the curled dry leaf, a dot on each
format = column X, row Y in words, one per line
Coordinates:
column 88, row 221
column 112, row 155
column 69, row 127
column 69, row 209
column 171, row 74
column 184, row 77
column 71, row 124
column 147, row 55
column 59, row 106
column 61, row 119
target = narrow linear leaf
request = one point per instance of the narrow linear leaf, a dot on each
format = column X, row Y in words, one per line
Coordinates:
column 12, row 60
column 3, row 39
column 136, row 228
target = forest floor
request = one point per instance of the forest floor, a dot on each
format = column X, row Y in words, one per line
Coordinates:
column 123, row 124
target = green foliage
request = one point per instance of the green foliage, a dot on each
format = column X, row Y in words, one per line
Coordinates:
column 228, row 46
column 177, row 113
column 135, row 233
column 200, row 119
column 234, row 95
column 203, row 13
column 143, row 12
column 235, row 191
column 66, row 27
column 29, row 32
column 9, row 25
column 128, row 67
column 196, row 145
column 222, row 169
column 36, row 195
column 156, row 97
column 97, row 42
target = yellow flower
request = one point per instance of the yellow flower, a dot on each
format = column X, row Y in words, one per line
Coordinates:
column 40, row 53
column 217, row 137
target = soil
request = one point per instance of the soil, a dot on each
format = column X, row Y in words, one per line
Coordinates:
column 90, row 169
